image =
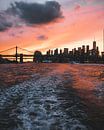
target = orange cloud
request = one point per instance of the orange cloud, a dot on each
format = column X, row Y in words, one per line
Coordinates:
column 76, row 26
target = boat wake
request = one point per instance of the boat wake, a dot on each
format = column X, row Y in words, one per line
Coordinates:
column 42, row 104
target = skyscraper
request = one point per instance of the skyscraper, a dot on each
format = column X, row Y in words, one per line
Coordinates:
column 56, row 51
column 60, row 51
column 79, row 50
column 94, row 45
column 48, row 52
column 66, row 51
column 87, row 49
column 83, row 49
column 51, row 52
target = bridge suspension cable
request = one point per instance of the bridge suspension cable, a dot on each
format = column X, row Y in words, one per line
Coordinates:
column 25, row 50
column 7, row 49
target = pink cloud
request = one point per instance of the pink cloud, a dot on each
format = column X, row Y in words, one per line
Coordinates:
column 76, row 26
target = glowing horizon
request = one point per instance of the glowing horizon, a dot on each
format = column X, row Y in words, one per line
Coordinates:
column 82, row 21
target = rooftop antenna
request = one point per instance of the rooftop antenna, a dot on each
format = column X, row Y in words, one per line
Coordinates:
column 103, row 40
column 94, row 38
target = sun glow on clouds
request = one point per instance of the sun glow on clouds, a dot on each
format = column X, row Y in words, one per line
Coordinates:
column 80, row 24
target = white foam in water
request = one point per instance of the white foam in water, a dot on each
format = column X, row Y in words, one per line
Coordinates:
column 78, row 127
column 99, row 90
column 39, row 107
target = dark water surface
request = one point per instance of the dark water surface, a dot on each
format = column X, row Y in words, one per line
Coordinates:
column 45, row 100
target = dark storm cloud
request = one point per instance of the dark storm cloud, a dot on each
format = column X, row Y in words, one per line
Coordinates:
column 4, row 23
column 36, row 13
column 21, row 13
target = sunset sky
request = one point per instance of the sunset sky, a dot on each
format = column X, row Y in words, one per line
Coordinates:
column 42, row 25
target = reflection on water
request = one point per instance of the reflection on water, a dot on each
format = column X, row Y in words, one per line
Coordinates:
column 45, row 102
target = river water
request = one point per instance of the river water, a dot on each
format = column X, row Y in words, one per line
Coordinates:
column 44, row 102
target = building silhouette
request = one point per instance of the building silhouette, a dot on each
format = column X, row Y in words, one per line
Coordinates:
column 81, row 55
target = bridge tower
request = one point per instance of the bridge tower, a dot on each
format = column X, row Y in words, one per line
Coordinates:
column 21, row 58
column 16, row 54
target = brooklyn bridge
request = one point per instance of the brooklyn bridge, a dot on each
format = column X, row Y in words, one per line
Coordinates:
column 18, row 54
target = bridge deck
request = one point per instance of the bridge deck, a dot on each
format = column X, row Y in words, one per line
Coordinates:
column 25, row 55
